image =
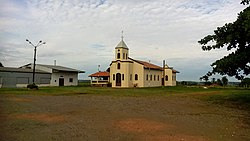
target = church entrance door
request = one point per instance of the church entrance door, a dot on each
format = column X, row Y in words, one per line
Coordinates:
column 118, row 79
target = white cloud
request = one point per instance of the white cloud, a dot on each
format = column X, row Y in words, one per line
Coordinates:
column 83, row 34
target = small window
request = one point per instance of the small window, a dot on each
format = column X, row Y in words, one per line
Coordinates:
column 154, row 77
column 70, row 79
column 118, row 55
column 123, row 55
column 55, row 80
column 122, row 76
column 118, row 66
column 126, row 56
column 147, row 77
column 158, row 78
column 136, row 76
column 131, row 77
column 113, row 76
column 166, row 78
column 151, row 77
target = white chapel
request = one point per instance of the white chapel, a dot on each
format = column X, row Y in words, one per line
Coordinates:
column 127, row 72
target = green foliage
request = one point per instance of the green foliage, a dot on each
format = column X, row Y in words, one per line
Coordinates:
column 219, row 82
column 236, row 36
column 224, row 80
column 245, row 2
column 245, row 82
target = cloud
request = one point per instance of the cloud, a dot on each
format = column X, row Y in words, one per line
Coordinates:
column 84, row 33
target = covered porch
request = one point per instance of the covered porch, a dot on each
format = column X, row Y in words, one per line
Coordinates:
column 100, row 79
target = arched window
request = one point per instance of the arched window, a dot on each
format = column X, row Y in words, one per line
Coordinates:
column 136, row 76
column 166, row 78
column 118, row 55
column 123, row 55
column 118, row 66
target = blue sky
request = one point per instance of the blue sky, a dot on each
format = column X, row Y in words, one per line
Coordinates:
column 82, row 34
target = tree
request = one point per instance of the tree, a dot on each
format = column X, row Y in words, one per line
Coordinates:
column 245, row 82
column 213, row 80
column 1, row 65
column 235, row 36
column 224, row 80
column 219, row 82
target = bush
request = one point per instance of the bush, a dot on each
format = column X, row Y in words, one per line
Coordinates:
column 32, row 86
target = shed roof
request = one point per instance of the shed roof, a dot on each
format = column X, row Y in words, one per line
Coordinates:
column 100, row 74
column 11, row 69
column 59, row 68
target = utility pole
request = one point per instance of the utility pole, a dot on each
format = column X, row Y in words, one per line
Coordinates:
column 34, row 65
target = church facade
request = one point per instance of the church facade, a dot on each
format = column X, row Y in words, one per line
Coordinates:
column 128, row 72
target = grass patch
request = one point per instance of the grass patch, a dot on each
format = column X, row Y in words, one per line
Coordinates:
column 233, row 97
column 236, row 98
column 153, row 91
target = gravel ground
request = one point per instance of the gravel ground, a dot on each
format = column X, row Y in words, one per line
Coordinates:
column 110, row 118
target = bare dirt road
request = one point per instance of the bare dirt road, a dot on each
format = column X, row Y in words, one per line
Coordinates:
column 111, row 118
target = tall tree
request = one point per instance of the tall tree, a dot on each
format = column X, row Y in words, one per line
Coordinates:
column 224, row 80
column 236, row 36
column 1, row 65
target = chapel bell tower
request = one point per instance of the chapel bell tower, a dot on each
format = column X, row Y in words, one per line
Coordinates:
column 121, row 51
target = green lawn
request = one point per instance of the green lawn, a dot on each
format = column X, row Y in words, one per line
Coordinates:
column 236, row 97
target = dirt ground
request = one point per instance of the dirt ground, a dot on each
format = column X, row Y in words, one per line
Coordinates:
column 110, row 118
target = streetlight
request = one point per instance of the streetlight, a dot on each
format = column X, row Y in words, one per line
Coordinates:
column 34, row 67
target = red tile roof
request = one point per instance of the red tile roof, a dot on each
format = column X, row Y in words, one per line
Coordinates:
column 100, row 74
column 148, row 65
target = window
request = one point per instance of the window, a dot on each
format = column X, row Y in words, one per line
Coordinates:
column 154, row 77
column 136, row 76
column 166, row 78
column 126, row 56
column 122, row 76
column 123, row 56
column 113, row 76
column 70, row 79
column 118, row 55
column 131, row 77
column 151, row 77
column 118, row 66
column 158, row 78
column 147, row 77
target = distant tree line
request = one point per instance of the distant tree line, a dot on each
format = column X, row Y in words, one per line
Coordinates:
column 216, row 82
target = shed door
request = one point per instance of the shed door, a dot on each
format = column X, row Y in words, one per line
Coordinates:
column 61, row 81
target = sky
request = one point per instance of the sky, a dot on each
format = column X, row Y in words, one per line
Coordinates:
column 83, row 34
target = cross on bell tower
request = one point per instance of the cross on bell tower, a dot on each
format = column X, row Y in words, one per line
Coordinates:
column 121, row 50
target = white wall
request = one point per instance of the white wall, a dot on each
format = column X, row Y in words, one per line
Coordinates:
column 66, row 76
column 154, row 82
